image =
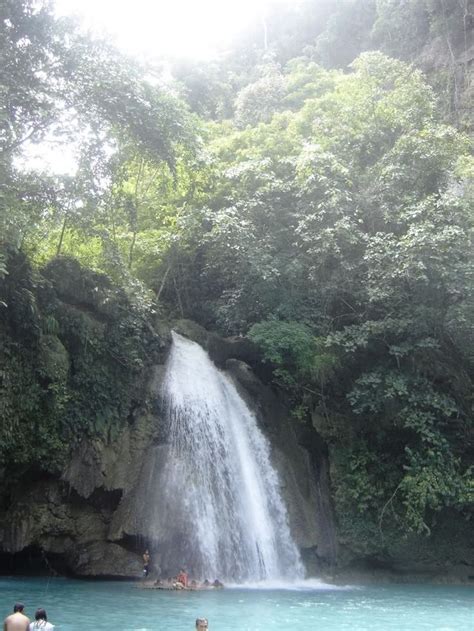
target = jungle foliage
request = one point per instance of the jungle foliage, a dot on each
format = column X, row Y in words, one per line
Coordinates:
column 310, row 195
column 72, row 355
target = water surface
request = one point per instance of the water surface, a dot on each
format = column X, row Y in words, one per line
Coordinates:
column 111, row 606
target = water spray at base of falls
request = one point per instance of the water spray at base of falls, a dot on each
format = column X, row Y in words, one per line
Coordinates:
column 220, row 496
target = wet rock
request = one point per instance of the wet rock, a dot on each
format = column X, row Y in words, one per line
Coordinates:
column 302, row 466
column 221, row 349
column 105, row 559
column 192, row 331
column 96, row 519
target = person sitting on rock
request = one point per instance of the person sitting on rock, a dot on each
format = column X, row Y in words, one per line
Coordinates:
column 217, row 584
column 177, row 584
column 183, row 577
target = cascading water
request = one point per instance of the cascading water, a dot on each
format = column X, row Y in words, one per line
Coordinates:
column 220, row 493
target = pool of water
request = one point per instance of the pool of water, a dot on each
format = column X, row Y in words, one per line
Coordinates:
column 100, row 606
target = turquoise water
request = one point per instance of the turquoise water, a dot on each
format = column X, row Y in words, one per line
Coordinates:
column 99, row 606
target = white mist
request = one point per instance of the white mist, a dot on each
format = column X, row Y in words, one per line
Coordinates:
column 222, row 493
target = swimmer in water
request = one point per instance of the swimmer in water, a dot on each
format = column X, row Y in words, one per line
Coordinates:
column 17, row 621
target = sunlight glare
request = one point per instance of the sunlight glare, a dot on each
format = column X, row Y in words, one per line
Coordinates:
column 180, row 28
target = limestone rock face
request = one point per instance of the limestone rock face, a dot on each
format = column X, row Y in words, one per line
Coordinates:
column 192, row 331
column 106, row 559
column 51, row 518
column 241, row 348
column 302, row 469
column 97, row 518
column 219, row 348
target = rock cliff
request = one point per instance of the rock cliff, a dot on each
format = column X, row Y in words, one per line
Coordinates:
column 96, row 518
column 91, row 514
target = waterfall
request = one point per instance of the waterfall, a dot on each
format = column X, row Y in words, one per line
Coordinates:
column 222, row 501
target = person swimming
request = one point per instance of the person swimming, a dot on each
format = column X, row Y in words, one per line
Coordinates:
column 202, row 624
column 41, row 621
column 17, row 621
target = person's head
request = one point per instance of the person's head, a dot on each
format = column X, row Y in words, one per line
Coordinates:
column 202, row 624
column 41, row 614
column 18, row 608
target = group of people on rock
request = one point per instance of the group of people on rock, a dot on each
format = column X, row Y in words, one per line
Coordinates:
column 18, row 621
column 181, row 581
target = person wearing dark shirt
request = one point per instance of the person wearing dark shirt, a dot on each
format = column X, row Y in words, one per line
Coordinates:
column 146, row 563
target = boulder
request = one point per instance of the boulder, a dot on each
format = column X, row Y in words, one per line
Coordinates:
column 221, row 349
column 104, row 559
column 192, row 331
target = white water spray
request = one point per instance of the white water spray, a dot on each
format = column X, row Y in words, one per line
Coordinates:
column 222, row 497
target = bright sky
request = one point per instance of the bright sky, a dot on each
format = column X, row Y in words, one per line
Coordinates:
column 151, row 28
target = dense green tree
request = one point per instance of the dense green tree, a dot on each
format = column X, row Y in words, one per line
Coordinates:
column 59, row 85
column 323, row 207
column 338, row 233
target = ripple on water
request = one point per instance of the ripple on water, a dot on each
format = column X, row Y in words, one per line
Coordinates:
column 79, row 605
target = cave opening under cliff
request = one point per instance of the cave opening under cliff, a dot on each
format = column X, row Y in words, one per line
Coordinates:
column 33, row 561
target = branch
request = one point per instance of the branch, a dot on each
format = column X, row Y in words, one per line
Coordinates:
column 162, row 285
column 389, row 501
column 19, row 142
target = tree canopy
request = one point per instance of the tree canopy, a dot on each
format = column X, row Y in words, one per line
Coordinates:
column 315, row 198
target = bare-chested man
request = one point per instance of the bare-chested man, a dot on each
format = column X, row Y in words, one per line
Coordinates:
column 17, row 621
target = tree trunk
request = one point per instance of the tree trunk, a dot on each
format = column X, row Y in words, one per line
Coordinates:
column 63, row 230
